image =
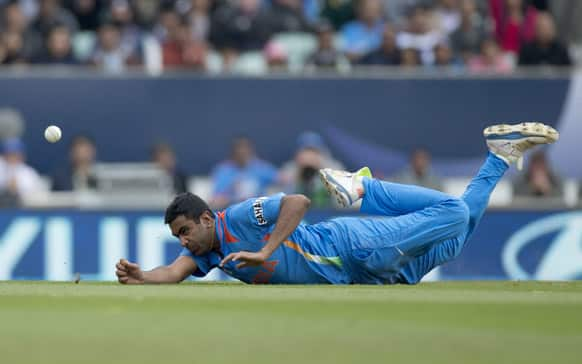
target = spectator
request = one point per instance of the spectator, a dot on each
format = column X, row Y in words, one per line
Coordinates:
column 109, row 55
column 179, row 48
column 276, row 56
column 326, row 55
column 365, row 33
column 538, row 180
column 241, row 176
column 87, row 13
column 51, row 15
column 18, row 180
column 14, row 21
column 122, row 16
column 287, row 16
column 163, row 155
column 29, row 8
column 466, row 40
column 58, row 48
column 2, row 53
column 13, row 48
column 419, row 172
column 567, row 15
column 311, row 9
column 545, row 49
column 387, row 54
column 168, row 21
column 78, row 175
column 300, row 175
column 410, row 58
column 198, row 19
column 447, row 16
column 338, row 12
column 396, row 11
column 491, row 60
column 239, row 27
column 443, row 55
column 419, row 36
column 514, row 23
column 145, row 13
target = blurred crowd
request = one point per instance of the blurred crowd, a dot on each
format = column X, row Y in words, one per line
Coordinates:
column 241, row 174
column 256, row 36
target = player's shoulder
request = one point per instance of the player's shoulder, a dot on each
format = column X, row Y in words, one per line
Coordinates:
column 255, row 208
column 257, row 200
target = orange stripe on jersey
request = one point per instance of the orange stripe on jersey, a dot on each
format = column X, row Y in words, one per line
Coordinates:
column 312, row 257
column 294, row 246
column 228, row 237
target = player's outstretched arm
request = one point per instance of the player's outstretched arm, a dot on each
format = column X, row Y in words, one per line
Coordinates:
column 131, row 273
column 291, row 212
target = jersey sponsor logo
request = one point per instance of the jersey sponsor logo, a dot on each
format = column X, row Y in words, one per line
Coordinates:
column 259, row 211
column 561, row 259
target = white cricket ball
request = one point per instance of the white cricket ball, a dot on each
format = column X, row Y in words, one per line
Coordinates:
column 52, row 134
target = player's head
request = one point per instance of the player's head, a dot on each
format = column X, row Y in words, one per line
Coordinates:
column 191, row 221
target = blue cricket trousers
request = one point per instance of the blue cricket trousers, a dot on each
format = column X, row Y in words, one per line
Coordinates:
column 414, row 229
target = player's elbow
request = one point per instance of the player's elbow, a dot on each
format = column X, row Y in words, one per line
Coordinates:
column 304, row 201
column 177, row 277
column 301, row 202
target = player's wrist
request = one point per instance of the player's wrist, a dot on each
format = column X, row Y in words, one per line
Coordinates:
column 266, row 252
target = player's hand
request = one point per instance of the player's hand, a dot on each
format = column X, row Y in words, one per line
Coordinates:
column 247, row 259
column 128, row 273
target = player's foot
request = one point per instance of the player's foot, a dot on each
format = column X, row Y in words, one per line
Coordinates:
column 346, row 187
column 509, row 142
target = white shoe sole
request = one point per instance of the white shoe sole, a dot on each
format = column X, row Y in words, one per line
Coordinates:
column 526, row 129
column 327, row 181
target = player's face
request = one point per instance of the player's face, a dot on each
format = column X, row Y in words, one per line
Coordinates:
column 196, row 237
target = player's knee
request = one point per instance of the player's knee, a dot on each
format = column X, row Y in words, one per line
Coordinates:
column 459, row 212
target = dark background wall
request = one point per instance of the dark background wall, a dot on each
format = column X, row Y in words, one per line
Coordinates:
column 360, row 118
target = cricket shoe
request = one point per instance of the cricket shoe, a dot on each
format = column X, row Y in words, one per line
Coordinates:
column 346, row 187
column 509, row 142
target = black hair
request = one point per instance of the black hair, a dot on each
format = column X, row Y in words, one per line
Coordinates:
column 187, row 204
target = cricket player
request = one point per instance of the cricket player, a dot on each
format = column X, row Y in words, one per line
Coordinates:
column 411, row 229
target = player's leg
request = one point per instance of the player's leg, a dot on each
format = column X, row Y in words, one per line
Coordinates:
column 479, row 190
column 422, row 216
column 374, row 249
column 506, row 143
column 476, row 197
column 379, row 197
column 412, row 219
column 395, row 199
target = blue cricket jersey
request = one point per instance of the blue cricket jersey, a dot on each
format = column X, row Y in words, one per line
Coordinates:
column 307, row 256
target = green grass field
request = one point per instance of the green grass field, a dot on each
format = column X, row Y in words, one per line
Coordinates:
column 455, row 322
